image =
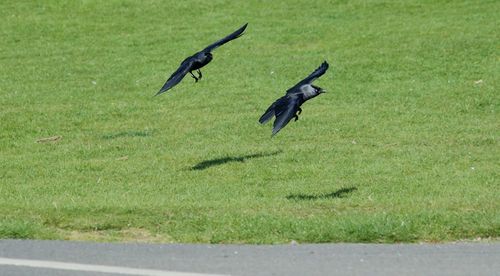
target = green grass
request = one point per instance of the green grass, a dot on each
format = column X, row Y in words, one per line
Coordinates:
column 403, row 148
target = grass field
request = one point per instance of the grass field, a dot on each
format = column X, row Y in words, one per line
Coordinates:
column 403, row 148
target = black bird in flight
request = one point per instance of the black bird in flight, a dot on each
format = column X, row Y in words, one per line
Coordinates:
column 288, row 106
column 197, row 61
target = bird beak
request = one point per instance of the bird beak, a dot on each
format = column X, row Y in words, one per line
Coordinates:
column 323, row 91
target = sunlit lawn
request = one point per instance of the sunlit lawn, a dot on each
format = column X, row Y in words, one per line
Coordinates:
column 403, row 148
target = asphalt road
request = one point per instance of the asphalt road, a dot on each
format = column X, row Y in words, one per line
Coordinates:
column 82, row 258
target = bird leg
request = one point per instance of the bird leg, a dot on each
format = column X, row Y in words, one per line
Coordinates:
column 192, row 75
column 199, row 73
column 296, row 116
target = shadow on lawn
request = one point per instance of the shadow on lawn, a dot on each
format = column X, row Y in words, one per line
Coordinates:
column 130, row 133
column 337, row 194
column 220, row 161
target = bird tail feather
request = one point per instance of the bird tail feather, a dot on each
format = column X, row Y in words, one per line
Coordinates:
column 268, row 115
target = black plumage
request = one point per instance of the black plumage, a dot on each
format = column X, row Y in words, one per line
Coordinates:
column 197, row 61
column 288, row 106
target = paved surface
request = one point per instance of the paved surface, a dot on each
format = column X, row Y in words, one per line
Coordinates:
column 50, row 258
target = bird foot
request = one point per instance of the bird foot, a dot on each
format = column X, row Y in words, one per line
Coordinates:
column 199, row 74
column 296, row 117
column 194, row 77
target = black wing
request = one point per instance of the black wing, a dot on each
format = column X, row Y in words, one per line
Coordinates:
column 268, row 114
column 230, row 37
column 312, row 77
column 177, row 76
column 285, row 109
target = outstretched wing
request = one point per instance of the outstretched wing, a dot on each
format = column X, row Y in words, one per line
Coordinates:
column 177, row 76
column 312, row 77
column 226, row 39
column 285, row 109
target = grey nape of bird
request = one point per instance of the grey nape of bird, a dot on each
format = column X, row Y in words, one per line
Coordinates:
column 197, row 61
column 288, row 106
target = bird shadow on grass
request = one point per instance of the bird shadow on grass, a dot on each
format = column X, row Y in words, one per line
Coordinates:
column 337, row 194
column 130, row 133
column 220, row 161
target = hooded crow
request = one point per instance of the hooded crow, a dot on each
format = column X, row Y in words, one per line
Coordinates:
column 288, row 106
column 197, row 61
